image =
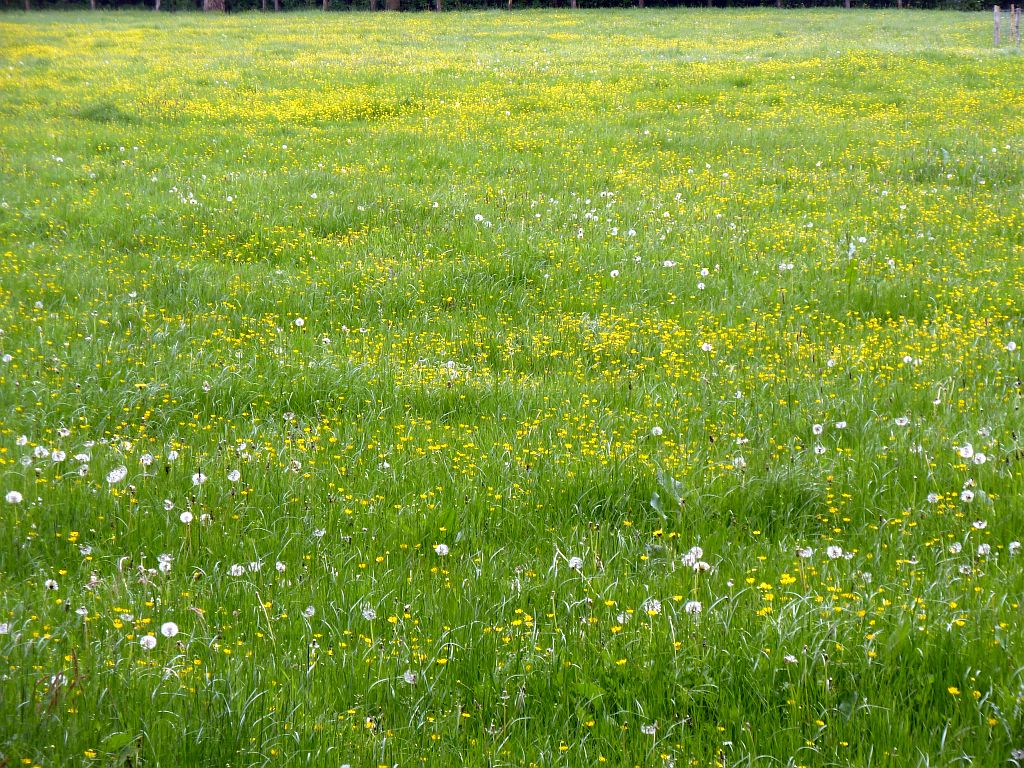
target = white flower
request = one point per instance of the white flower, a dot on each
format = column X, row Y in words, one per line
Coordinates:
column 933, row 498
column 368, row 613
column 693, row 607
column 168, row 629
column 819, row 449
column 410, row 677
column 840, row 425
column 1014, row 547
column 309, row 612
column 5, row 628
column 441, row 550
column 901, row 421
column 576, row 563
column 649, row 730
column 652, row 606
column 706, row 346
column 185, row 517
column 1011, row 346
column 13, row 497
column 614, row 273
column 979, row 525
column 234, row 475
column 967, row 496
column 280, row 567
column 834, row 552
column 789, row 658
column 117, row 475
column 980, row 458
column 50, row 584
column 146, row 459
column 805, row 553
column 817, row 429
column 966, row 451
column 168, row 505
column 656, row 431
column 955, row 548
column 198, row 478
column 148, row 642
column 172, row 456
column 984, row 550
column 739, row 462
column 237, row 570
column 299, row 322
column 58, row 456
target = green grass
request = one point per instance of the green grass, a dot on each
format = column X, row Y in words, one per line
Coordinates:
column 493, row 227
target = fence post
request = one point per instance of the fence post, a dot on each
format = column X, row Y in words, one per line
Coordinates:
column 995, row 16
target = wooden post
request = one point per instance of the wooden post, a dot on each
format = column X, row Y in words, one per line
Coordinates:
column 438, row 5
column 846, row 4
column 156, row 5
column 326, row 2
column 995, row 15
column 572, row 4
column 1016, row 26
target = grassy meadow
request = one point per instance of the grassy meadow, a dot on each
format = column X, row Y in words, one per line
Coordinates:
column 637, row 388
